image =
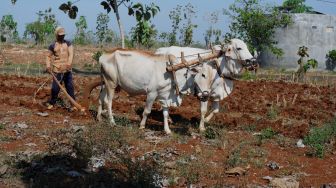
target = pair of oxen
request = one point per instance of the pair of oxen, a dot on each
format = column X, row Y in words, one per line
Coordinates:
column 140, row 73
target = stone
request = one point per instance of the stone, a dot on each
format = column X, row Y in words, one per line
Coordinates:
column 21, row 125
column 300, row 144
column 43, row 114
column 3, row 170
column 285, row 182
column 273, row 165
column 237, row 171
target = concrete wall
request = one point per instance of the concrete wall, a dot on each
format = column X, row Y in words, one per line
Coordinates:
column 316, row 31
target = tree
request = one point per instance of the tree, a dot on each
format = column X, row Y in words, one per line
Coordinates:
column 175, row 18
column 114, row 5
column 331, row 60
column 103, row 33
column 8, row 29
column 295, row 6
column 256, row 24
column 43, row 28
column 212, row 18
column 188, row 27
column 143, row 33
column 81, row 25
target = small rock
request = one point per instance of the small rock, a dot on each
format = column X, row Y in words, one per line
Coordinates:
column 3, row 170
column 192, row 157
column 31, row 144
column 273, row 165
column 181, row 181
column 198, row 149
column 269, row 178
column 285, row 182
column 74, row 173
column 300, row 144
column 43, row 114
column 77, row 128
column 170, row 164
column 97, row 162
column 237, row 171
column 21, row 125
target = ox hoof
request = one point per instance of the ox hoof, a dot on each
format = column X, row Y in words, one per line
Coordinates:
column 202, row 129
column 142, row 127
column 168, row 132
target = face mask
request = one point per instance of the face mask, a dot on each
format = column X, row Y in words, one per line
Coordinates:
column 60, row 38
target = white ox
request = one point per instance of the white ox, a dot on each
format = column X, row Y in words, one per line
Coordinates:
column 208, row 82
column 140, row 73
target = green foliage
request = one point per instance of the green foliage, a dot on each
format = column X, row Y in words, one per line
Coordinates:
column 267, row 133
column 311, row 63
column 332, row 55
column 256, row 24
column 143, row 33
column 272, row 112
column 8, row 29
column 295, row 6
column 331, row 60
column 247, row 75
column 81, row 25
column 318, row 137
column 210, row 133
column 212, row 18
column 42, row 29
column 175, row 18
column 2, row 126
column 188, row 28
column 69, row 9
column 97, row 55
column 103, row 33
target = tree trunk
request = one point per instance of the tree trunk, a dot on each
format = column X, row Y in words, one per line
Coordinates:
column 121, row 28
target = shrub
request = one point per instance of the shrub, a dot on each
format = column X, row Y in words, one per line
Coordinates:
column 331, row 60
column 318, row 137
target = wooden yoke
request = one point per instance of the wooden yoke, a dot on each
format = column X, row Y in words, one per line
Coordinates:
column 171, row 60
column 171, row 68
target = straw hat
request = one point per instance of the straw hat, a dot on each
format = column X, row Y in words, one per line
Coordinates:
column 59, row 31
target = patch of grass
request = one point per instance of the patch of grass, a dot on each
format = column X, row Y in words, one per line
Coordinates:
column 250, row 128
column 265, row 134
column 248, row 76
column 272, row 112
column 319, row 137
column 210, row 133
column 189, row 169
column 2, row 126
column 122, row 120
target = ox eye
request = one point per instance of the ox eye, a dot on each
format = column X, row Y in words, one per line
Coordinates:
column 239, row 49
column 203, row 75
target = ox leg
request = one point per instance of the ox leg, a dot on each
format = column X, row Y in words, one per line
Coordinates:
column 204, row 109
column 165, row 120
column 102, row 101
column 214, row 110
column 110, row 88
column 148, row 108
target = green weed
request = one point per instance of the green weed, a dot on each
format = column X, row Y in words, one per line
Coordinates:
column 318, row 137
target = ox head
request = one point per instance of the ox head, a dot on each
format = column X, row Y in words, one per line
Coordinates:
column 236, row 57
column 205, row 75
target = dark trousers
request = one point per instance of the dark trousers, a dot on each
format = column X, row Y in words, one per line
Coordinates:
column 65, row 78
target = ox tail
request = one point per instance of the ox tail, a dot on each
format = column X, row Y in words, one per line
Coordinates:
column 88, row 89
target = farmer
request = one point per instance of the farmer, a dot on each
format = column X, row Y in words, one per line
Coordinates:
column 59, row 62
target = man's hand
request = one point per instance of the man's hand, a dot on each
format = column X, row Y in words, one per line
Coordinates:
column 68, row 66
column 48, row 70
